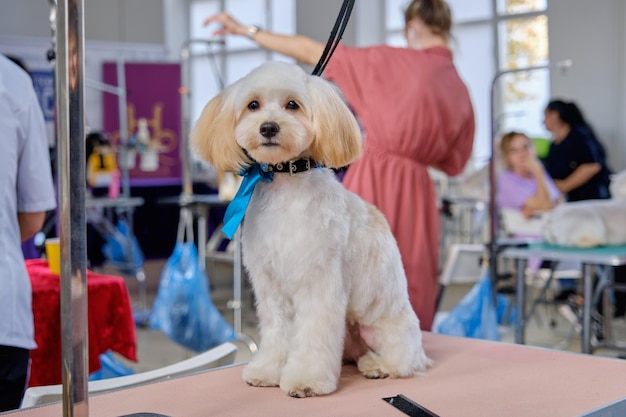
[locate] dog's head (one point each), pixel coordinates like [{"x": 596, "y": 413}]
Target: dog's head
[{"x": 277, "y": 113}]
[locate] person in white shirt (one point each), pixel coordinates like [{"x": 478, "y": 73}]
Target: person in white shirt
[{"x": 27, "y": 193}]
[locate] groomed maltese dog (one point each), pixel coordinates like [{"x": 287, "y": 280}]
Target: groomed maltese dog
[{"x": 325, "y": 268}]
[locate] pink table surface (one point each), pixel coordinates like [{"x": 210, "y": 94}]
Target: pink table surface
[{"x": 470, "y": 378}]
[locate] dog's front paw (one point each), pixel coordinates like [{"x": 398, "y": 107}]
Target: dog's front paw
[
  {"x": 259, "y": 376},
  {"x": 302, "y": 389},
  {"x": 307, "y": 385}
]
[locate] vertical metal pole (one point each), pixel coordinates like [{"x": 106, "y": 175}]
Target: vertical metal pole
[
  {"x": 520, "y": 301},
  {"x": 123, "y": 122},
  {"x": 184, "y": 107},
  {"x": 202, "y": 213},
  {"x": 71, "y": 148},
  {"x": 493, "y": 209},
  {"x": 587, "y": 302},
  {"x": 237, "y": 266}
]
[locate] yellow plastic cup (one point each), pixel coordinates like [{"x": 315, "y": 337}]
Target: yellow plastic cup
[{"x": 53, "y": 253}]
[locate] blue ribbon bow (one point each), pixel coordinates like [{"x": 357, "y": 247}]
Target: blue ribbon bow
[{"x": 237, "y": 208}]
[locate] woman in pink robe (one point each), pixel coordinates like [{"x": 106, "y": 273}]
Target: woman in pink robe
[{"x": 415, "y": 111}]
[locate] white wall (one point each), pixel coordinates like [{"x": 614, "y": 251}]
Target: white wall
[
  {"x": 133, "y": 21},
  {"x": 592, "y": 34}
]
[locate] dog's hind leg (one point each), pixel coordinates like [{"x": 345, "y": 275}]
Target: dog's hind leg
[{"x": 396, "y": 348}]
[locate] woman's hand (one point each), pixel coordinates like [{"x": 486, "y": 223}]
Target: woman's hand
[
  {"x": 230, "y": 26},
  {"x": 534, "y": 165},
  {"x": 300, "y": 48},
  {"x": 541, "y": 200}
]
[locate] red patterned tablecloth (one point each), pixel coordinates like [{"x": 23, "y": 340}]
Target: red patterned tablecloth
[{"x": 111, "y": 323}]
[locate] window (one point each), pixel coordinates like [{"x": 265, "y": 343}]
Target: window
[
  {"x": 523, "y": 95},
  {"x": 213, "y": 66},
  {"x": 511, "y": 7},
  {"x": 490, "y": 36}
]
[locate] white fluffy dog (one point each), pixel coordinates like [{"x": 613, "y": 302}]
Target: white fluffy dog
[
  {"x": 325, "y": 268},
  {"x": 590, "y": 223},
  {"x": 587, "y": 224}
]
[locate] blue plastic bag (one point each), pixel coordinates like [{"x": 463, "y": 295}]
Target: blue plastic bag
[
  {"x": 183, "y": 309},
  {"x": 120, "y": 249},
  {"x": 475, "y": 316},
  {"x": 111, "y": 368}
]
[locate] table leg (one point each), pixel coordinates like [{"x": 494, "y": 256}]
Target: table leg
[
  {"x": 520, "y": 297},
  {"x": 202, "y": 214},
  {"x": 587, "y": 300},
  {"x": 607, "y": 305},
  {"x": 236, "y": 304}
]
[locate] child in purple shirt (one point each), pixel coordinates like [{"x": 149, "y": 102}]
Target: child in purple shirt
[{"x": 525, "y": 185}]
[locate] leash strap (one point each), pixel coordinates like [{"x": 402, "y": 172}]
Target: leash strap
[{"x": 335, "y": 36}]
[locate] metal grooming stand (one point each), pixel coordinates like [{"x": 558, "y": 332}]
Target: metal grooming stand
[
  {"x": 493, "y": 245},
  {"x": 66, "y": 22},
  {"x": 201, "y": 204},
  {"x": 125, "y": 204}
]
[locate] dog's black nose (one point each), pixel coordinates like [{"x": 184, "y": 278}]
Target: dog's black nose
[{"x": 269, "y": 129}]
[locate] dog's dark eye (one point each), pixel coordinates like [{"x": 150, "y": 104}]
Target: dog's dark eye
[
  {"x": 292, "y": 105},
  {"x": 253, "y": 105}
]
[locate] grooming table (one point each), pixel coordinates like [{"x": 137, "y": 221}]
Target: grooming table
[
  {"x": 470, "y": 378},
  {"x": 589, "y": 257}
]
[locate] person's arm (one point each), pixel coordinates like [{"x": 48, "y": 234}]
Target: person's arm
[
  {"x": 541, "y": 200},
  {"x": 301, "y": 48},
  {"x": 580, "y": 176},
  {"x": 30, "y": 224}
]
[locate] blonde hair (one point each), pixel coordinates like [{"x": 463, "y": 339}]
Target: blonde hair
[
  {"x": 435, "y": 14},
  {"x": 507, "y": 138}
]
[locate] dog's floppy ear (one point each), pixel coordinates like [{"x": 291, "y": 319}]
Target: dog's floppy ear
[
  {"x": 213, "y": 135},
  {"x": 338, "y": 138}
]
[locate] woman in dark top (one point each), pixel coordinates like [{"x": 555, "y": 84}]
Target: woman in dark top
[
  {"x": 577, "y": 160},
  {"x": 577, "y": 163}
]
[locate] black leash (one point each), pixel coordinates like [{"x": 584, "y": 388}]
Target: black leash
[{"x": 335, "y": 36}]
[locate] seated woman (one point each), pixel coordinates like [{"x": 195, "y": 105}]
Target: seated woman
[{"x": 524, "y": 185}]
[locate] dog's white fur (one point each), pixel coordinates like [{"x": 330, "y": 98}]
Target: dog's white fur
[
  {"x": 618, "y": 185},
  {"x": 587, "y": 224},
  {"x": 590, "y": 223},
  {"x": 325, "y": 268}
]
